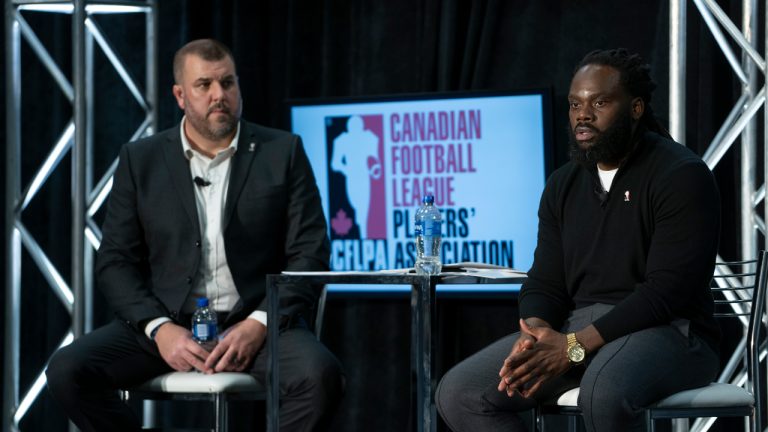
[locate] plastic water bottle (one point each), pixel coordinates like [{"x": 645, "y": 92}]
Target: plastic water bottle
[
  {"x": 428, "y": 224},
  {"x": 204, "y": 326}
]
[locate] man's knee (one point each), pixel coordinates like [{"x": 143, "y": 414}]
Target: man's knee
[
  {"x": 322, "y": 380},
  {"x": 453, "y": 400},
  {"x": 608, "y": 406},
  {"x": 63, "y": 373},
  {"x": 330, "y": 377}
]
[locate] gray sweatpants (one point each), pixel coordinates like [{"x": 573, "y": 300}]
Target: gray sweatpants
[{"x": 617, "y": 381}]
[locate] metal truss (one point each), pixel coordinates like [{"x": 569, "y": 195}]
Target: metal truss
[
  {"x": 739, "y": 46},
  {"x": 77, "y": 139}
]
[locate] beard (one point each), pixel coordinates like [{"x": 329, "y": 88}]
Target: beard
[
  {"x": 213, "y": 129},
  {"x": 609, "y": 146}
]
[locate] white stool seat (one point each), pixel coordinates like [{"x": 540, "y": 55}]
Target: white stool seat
[
  {"x": 196, "y": 382},
  {"x": 569, "y": 398},
  {"x": 715, "y": 395}
]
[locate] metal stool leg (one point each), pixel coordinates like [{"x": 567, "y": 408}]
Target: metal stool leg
[
  {"x": 537, "y": 420},
  {"x": 650, "y": 425},
  {"x": 149, "y": 413},
  {"x": 573, "y": 423},
  {"x": 680, "y": 425},
  {"x": 220, "y": 413}
]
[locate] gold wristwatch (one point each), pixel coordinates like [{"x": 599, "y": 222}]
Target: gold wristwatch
[{"x": 576, "y": 351}]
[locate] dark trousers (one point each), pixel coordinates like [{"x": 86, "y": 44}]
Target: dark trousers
[
  {"x": 617, "y": 383},
  {"x": 84, "y": 377}
]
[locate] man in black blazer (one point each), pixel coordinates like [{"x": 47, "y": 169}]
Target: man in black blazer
[{"x": 205, "y": 209}]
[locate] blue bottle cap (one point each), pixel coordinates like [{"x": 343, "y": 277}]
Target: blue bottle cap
[
  {"x": 202, "y": 302},
  {"x": 428, "y": 199}
]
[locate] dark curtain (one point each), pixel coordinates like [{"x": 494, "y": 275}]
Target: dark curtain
[{"x": 288, "y": 49}]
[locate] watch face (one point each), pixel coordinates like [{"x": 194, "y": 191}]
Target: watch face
[{"x": 576, "y": 353}]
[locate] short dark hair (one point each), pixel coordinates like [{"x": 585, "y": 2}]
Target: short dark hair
[
  {"x": 206, "y": 49},
  {"x": 634, "y": 76}
]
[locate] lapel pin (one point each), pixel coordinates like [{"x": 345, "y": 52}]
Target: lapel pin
[
  {"x": 626, "y": 196},
  {"x": 251, "y": 146}
]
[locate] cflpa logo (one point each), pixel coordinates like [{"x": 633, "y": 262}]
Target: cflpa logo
[{"x": 356, "y": 177}]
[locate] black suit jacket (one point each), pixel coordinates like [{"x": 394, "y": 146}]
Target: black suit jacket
[{"x": 273, "y": 221}]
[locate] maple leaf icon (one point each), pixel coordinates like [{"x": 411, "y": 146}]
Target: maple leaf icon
[{"x": 341, "y": 224}]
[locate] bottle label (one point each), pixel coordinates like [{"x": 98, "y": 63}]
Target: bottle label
[
  {"x": 204, "y": 331},
  {"x": 428, "y": 246},
  {"x": 429, "y": 232},
  {"x": 428, "y": 228}
]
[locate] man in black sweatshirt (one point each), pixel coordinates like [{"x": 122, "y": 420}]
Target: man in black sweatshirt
[{"x": 617, "y": 300}]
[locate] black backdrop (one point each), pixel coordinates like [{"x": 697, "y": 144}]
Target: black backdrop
[{"x": 289, "y": 49}]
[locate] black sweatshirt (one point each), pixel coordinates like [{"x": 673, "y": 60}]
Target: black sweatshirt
[{"x": 648, "y": 247}]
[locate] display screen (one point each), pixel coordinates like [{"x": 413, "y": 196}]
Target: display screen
[{"x": 484, "y": 158}]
